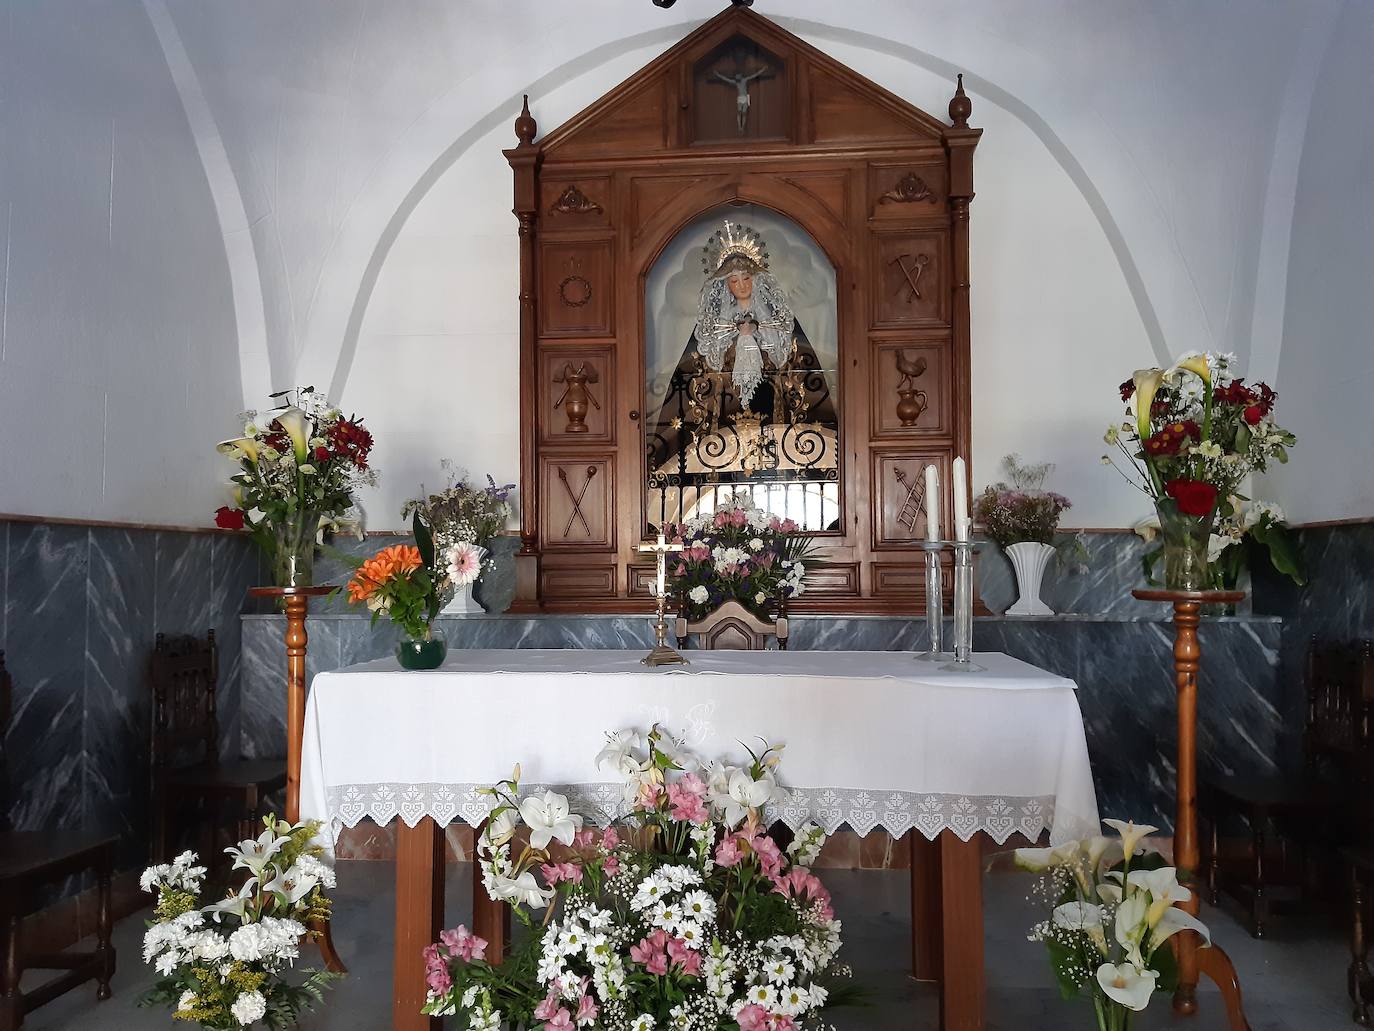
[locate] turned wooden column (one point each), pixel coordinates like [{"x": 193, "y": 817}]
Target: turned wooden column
[
  {"x": 1193, "y": 961},
  {"x": 296, "y": 601}
]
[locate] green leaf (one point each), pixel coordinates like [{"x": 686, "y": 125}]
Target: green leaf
[
  {"x": 1283, "y": 549},
  {"x": 1148, "y": 561},
  {"x": 1243, "y": 438},
  {"x": 424, "y": 540}
]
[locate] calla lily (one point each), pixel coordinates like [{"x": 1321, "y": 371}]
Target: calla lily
[
  {"x": 1164, "y": 889},
  {"x": 294, "y": 424},
  {"x": 1173, "y": 921},
  {"x": 1127, "y": 984},
  {"x": 1130, "y": 835},
  {"x": 1038, "y": 860},
  {"x": 239, "y": 447},
  {"x": 1109, "y": 893},
  {"x": 1130, "y": 924},
  {"x": 1147, "y": 383},
  {"x": 548, "y": 818},
  {"x": 1077, "y": 916},
  {"x": 1097, "y": 847},
  {"x": 1196, "y": 364}
]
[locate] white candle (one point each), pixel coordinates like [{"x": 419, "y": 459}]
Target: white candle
[
  {"x": 932, "y": 503},
  {"x": 961, "y": 520},
  {"x": 662, "y": 564}
]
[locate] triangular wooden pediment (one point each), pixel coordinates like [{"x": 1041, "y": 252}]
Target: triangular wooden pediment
[{"x": 802, "y": 97}]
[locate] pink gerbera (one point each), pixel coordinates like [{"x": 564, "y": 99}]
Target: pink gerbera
[{"x": 464, "y": 563}]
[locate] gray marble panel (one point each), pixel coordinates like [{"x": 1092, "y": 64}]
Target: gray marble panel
[
  {"x": 184, "y": 575},
  {"x": 45, "y": 612},
  {"x": 4, "y": 588},
  {"x": 263, "y": 716},
  {"x": 120, "y": 594},
  {"x": 496, "y": 589},
  {"x": 234, "y": 569}
]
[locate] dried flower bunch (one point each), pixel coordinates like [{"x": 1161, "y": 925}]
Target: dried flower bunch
[{"x": 1021, "y": 510}]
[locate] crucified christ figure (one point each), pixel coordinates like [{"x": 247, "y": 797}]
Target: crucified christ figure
[{"x": 741, "y": 83}]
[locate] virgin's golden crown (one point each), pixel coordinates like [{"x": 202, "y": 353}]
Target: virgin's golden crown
[{"x": 734, "y": 244}]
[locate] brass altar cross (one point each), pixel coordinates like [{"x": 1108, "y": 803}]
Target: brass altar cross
[{"x": 662, "y": 654}]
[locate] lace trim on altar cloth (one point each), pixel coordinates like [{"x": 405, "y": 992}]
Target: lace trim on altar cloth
[{"x": 863, "y": 811}]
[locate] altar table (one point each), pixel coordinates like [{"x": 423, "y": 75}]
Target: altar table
[{"x": 874, "y": 739}]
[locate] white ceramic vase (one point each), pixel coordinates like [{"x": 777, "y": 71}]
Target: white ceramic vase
[
  {"x": 462, "y": 603},
  {"x": 1029, "y": 559}
]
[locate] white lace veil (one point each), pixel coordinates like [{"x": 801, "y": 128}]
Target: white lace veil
[{"x": 719, "y": 317}]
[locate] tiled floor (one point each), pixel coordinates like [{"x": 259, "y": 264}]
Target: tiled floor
[{"x": 1293, "y": 982}]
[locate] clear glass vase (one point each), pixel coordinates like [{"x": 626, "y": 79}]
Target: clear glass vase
[
  {"x": 293, "y": 549},
  {"x": 1183, "y": 564}
]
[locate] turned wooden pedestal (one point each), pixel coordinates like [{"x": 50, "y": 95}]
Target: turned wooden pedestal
[
  {"x": 1192, "y": 960},
  {"x": 296, "y": 601}
]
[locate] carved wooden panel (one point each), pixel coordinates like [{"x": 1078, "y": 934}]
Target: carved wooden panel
[
  {"x": 831, "y": 189},
  {"x": 578, "y": 502},
  {"x": 740, "y": 91},
  {"x": 910, "y": 388},
  {"x": 580, "y": 581},
  {"x": 580, "y": 203},
  {"x": 905, "y": 191},
  {"x": 576, "y": 288},
  {"x": 637, "y": 121},
  {"x": 841, "y": 113},
  {"x": 650, "y": 193},
  {"x": 577, "y": 394},
  {"x": 641, "y": 580},
  {"x": 898, "y": 493},
  {"x": 910, "y": 279},
  {"x": 908, "y": 579},
  {"x": 831, "y": 579}
]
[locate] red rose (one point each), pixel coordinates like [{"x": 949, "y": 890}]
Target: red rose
[
  {"x": 1194, "y": 497},
  {"x": 227, "y": 518},
  {"x": 1254, "y": 414},
  {"x": 322, "y": 454}
]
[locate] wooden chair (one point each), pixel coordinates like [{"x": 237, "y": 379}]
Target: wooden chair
[
  {"x": 29, "y": 861},
  {"x": 731, "y": 626},
  {"x": 1317, "y": 804},
  {"x": 187, "y": 771}
]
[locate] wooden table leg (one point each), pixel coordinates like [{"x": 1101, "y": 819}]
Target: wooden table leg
[
  {"x": 961, "y": 904},
  {"x": 926, "y": 925},
  {"x": 419, "y": 918}
]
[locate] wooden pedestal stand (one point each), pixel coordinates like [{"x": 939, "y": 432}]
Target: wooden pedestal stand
[
  {"x": 1193, "y": 961},
  {"x": 296, "y": 601}
]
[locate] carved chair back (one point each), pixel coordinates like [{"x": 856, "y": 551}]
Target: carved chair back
[
  {"x": 184, "y": 675},
  {"x": 1339, "y": 737},
  {"x": 731, "y": 626}
]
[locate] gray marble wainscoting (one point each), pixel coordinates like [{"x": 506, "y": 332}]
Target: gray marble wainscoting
[
  {"x": 1123, "y": 668},
  {"x": 1337, "y": 604},
  {"x": 81, "y": 607}
]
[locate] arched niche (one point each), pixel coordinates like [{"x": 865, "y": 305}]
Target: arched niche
[{"x": 878, "y": 192}]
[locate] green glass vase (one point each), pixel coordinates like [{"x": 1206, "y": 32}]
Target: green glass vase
[
  {"x": 422, "y": 653},
  {"x": 293, "y": 548}
]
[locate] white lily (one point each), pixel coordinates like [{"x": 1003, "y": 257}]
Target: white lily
[
  {"x": 1130, "y": 835},
  {"x": 1174, "y": 920},
  {"x": 549, "y": 818},
  {"x": 292, "y": 884},
  {"x": 1127, "y": 984},
  {"x": 254, "y": 854},
  {"x": 620, "y": 753},
  {"x": 743, "y": 793},
  {"x": 523, "y": 890},
  {"x": 499, "y": 829}
]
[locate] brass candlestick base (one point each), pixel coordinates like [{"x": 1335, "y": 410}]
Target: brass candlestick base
[{"x": 662, "y": 655}]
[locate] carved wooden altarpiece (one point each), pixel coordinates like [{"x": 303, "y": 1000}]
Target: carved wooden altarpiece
[{"x": 740, "y": 113}]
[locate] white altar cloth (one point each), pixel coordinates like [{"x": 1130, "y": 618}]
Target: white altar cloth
[{"x": 874, "y": 739}]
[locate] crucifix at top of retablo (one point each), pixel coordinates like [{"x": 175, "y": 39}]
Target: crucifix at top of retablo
[
  {"x": 662, "y": 654},
  {"x": 741, "y": 80}
]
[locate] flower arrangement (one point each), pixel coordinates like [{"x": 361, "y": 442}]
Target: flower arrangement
[
  {"x": 224, "y": 965},
  {"x": 1022, "y": 510},
  {"x": 462, "y": 513},
  {"x": 1196, "y": 431},
  {"x": 738, "y": 552},
  {"x": 298, "y": 467},
  {"x": 688, "y": 917},
  {"x": 1112, "y": 912}
]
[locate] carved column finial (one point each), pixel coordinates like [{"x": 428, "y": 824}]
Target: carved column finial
[
  {"x": 525, "y": 125},
  {"x": 960, "y": 106}
]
